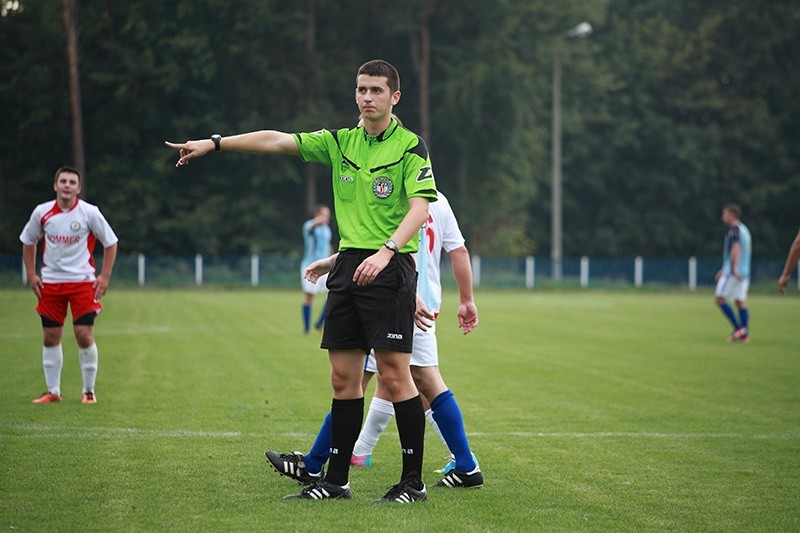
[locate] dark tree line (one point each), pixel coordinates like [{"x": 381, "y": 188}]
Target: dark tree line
[{"x": 670, "y": 109}]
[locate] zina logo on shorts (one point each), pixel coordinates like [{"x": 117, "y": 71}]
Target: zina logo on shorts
[{"x": 398, "y": 336}]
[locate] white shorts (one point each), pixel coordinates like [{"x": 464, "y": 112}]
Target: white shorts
[
  {"x": 424, "y": 353},
  {"x": 314, "y": 288},
  {"x": 731, "y": 288}
]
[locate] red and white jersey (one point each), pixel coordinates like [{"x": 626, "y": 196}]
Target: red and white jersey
[
  {"x": 69, "y": 239},
  {"x": 440, "y": 232}
]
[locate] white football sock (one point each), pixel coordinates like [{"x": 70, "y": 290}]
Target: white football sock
[
  {"x": 435, "y": 426},
  {"x": 378, "y": 417},
  {"x": 88, "y": 358},
  {"x": 52, "y": 360}
]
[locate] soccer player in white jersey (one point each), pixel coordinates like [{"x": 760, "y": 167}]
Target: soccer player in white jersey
[
  {"x": 733, "y": 279},
  {"x": 441, "y": 232},
  {"x": 68, "y": 228}
]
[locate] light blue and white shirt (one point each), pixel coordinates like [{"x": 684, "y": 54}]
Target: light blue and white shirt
[
  {"x": 316, "y": 242},
  {"x": 737, "y": 233}
]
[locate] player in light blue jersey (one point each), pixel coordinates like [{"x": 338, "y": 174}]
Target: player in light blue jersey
[
  {"x": 733, "y": 279},
  {"x": 317, "y": 245}
]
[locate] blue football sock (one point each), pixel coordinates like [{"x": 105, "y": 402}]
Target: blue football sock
[
  {"x": 448, "y": 417},
  {"x": 744, "y": 318},
  {"x": 728, "y": 312},
  {"x": 321, "y": 319},
  {"x": 306, "y": 317},
  {"x": 321, "y": 449}
]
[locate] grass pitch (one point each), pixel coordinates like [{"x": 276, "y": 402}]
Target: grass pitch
[{"x": 621, "y": 411}]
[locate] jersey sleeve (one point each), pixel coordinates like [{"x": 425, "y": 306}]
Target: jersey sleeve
[
  {"x": 418, "y": 172},
  {"x": 101, "y": 228},
  {"x": 733, "y": 235},
  {"x": 315, "y": 147},
  {"x": 33, "y": 231},
  {"x": 452, "y": 237}
]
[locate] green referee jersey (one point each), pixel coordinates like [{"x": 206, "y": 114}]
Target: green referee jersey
[{"x": 373, "y": 177}]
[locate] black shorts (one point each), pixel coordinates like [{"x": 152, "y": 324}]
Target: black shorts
[{"x": 378, "y": 315}]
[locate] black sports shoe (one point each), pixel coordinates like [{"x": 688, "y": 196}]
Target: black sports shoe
[
  {"x": 322, "y": 490},
  {"x": 404, "y": 492},
  {"x": 456, "y": 478},
  {"x": 292, "y": 465}
]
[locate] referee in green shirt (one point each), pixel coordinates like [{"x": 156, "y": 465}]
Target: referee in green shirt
[{"x": 382, "y": 182}]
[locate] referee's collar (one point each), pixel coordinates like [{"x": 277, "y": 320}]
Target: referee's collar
[{"x": 382, "y": 136}]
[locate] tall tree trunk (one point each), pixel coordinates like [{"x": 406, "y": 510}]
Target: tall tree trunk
[
  {"x": 463, "y": 175},
  {"x": 421, "y": 59},
  {"x": 2, "y": 190},
  {"x": 71, "y": 31},
  {"x": 310, "y": 170}
]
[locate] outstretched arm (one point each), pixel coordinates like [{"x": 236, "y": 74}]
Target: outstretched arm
[
  {"x": 462, "y": 270},
  {"x": 260, "y": 142},
  {"x": 791, "y": 261}
]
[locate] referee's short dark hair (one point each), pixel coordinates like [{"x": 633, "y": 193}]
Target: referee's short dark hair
[
  {"x": 69, "y": 169},
  {"x": 379, "y": 67}
]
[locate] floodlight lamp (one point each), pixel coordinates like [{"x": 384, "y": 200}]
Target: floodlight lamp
[{"x": 581, "y": 30}]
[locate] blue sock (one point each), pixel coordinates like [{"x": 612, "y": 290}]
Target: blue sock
[
  {"x": 321, "y": 449},
  {"x": 728, "y": 312},
  {"x": 306, "y": 317},
  {"x": 744, "y": 318},
  {"x": 448, "y": 417},
  {"x": 321, "y": 318}
]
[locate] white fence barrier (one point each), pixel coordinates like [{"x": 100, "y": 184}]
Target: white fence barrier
[{"x": 527, "y": 272}]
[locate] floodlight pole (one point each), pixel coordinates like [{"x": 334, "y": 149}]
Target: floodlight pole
[{"x": 557, "y": 240}]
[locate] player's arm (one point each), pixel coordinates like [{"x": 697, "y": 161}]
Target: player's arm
[
  {"x": 319, "y": 268},
  {"x": 462, "y": 271},
  {"x": 791, "y": 261},
  {"x": 423, "y": 318},
  {"x": 29, "y": 259},
  {"x": 736, "y": 252},
  {"x": 417, "y": 214},
  {"x": 101, "y": 283},
  {"x": 259, "y": 142}
]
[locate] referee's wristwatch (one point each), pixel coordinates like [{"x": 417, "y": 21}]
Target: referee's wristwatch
[
  {"x": 217, "y": 138},
  {"x": 390, "y": 244}
]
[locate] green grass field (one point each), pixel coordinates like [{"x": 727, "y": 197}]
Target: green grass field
[{"x": 600, "y": 411}]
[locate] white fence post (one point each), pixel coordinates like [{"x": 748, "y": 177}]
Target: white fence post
[
  {"x": 476, "y": 271},
  {"x": 584, "y": 271},
  {"x": 198, "y": 269},
  {"x": 140, "y": 264},
  {"x": 530, "y": 272},
  {"x": 692, "y": 273},
  {"x": 638, "y": 271},
  {"x": 254, "y": 265}
]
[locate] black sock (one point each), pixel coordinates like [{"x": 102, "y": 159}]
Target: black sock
[
  {"x": 410, "y": 417},
  {"x": 346, "y": 416}
]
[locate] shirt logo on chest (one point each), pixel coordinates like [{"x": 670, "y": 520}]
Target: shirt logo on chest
[
  {"x": 75, "y": 226},
  {"x": 382, "y": 187}
]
